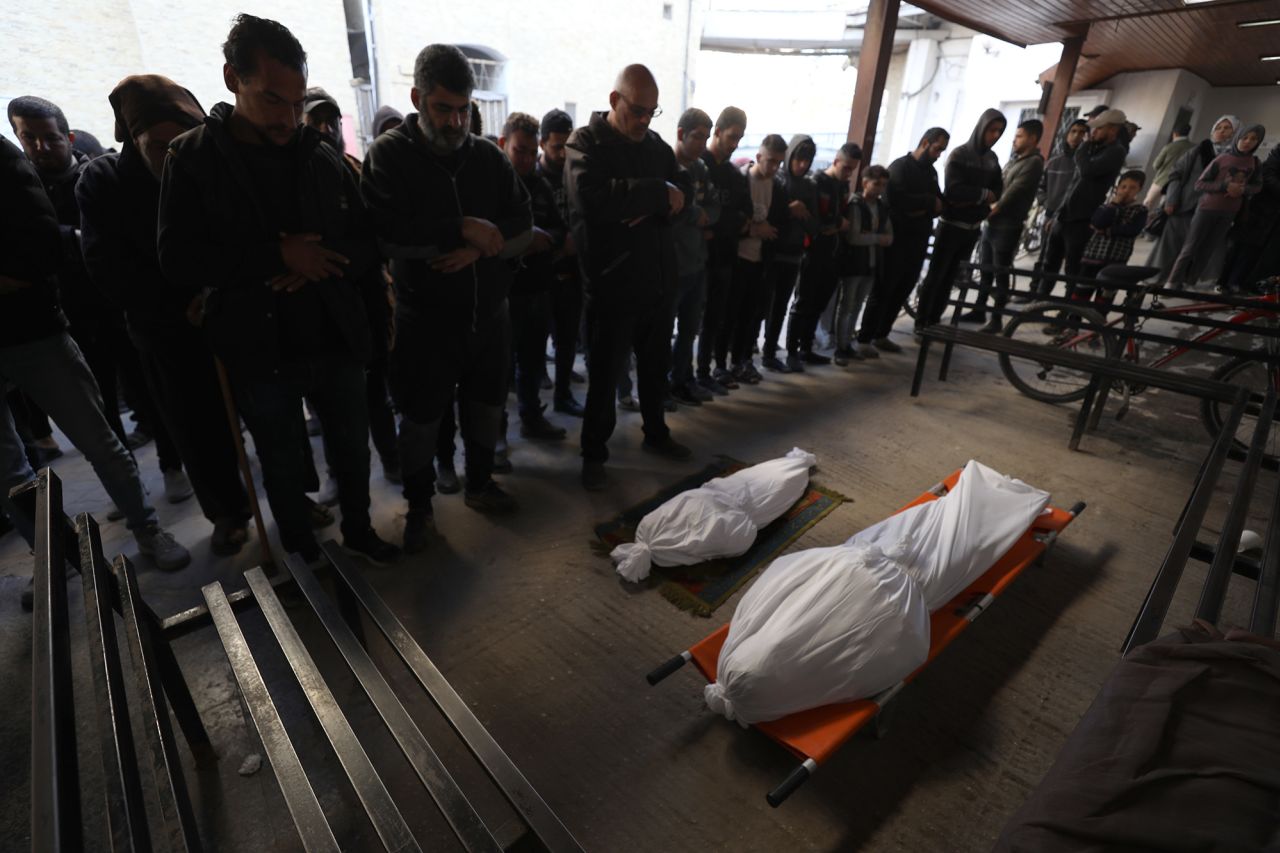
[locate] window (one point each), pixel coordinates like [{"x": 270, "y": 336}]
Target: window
[{"x": 571, "y": 107}]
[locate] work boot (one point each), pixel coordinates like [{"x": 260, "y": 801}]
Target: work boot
[
  {"x": 158, "y": 544},
  {"x": 229, "y": 536},
  {"x": 594, "y": 477},
  {"x": 419, "y": 524},
  {"x": 669, "y": 404},
  {"x": 447, "y": 482},
  {"x": 371, "y": 547},
  {"x": 490, "y": 498},
  {"x": 668, "y": 447},
  {"x": 177, "y": 488},
  {"x": 690, "y": 394},
  {"x": 568, "y": 406},
  {"x": 886, "y": 345},
  {"x": 539, "y": 428}
]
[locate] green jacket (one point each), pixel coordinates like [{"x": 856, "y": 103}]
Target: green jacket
[{"x": 1164, "y": 161}]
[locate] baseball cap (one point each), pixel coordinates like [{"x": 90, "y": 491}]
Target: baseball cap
[
  {"x": 316, "y": 96},
  {"x": 1108, "y": 117}
]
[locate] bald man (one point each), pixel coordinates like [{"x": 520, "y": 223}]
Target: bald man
[{"x": 621, "y": 180}]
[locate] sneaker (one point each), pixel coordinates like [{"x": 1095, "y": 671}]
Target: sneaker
[
  {"x": 391, "y": 473},
  {"x": 569, "y": 406},
  {"x": 777, "y": 365},
  {"x": 594, "y": 477},
  {"x": 691, "y": 394},
  {"x": 866, "y": 351},
  {"x": 229, "y": 536},
  {"x": 490, "y": 498},
  {"x": 811, "y": 357},
  {"x": 747, "y": 373},
  {"x": 709, "y": 384},
  {"x": 158, "y": 544},
  {"x": 502, "y": 462},
  {"x": 840, "y": 356},
  {"x": 628, "y": 404},
  {"x": 795, "y": 364},
  {"x": 447, "y": 482},
  {"x": 886, "y": 345},
  {"x": 538, "y": 428},
  {"x": 177, "y": 488},
  {"x": 137, "y": 439},
  {"x": 725, "y": 378},
  {"x": 320, "y": 514},
  {"x": 372, "y": 547},
  {"x": 328, "y": 494},
  {"x": 668, "y": 447},
  {"x": 419, "y": 524}
]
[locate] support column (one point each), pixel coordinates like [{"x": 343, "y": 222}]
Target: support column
[
  {"x": 873, "y": 70},
  {"x": 1062, "y": 79}
]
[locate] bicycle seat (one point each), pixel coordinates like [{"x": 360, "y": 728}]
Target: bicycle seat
[{"x": 1127, "y": 274}]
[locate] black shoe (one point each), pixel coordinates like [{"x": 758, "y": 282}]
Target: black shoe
[
  {"x": 777, "y": 365},
  {"x": 490, "y": 498},
  {"x": 447, "y": 482},
  {"x": 690, "y": 394},
  {"x": 841, "y": 357},
  {"x": 747, "y": 373},
  {"x": 811, "y": 357},
  {"x": 229, "y": 536},
  {"x": 137, "y": 439},
  {"x": 594, "y": 477},
  {"x": 628, "y": 404},
  {"x": 372, "y": 547},
  {"x": 540, "y": 429},
  {"x": 668, "y": 447},
  {"x": 546, "y": 384},
  {"x": 795, "y": 364},
  {"x": 419, "y": 524},
  {"x": 321, "y": 515},
  {"x": 710, "y": 384},
  {"x": 669, "y": 404},
  {"x": 569, "y": 406},
  {"x": 886, "y": 345},
  {"x": 502, "y": 462},
  {"x": 725, "y": 378},
  {"x": 973, "y": 317}
]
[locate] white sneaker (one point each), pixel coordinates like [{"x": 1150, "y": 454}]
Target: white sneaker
[
  {"x": 162, "y": 548},
  {"x": 177, "y": 488}
]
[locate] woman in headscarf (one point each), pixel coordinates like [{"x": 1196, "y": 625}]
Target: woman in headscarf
[{"x": 1181, "y": 196}]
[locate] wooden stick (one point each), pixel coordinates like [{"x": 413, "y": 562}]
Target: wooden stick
[{"x": 233, "y": 421}]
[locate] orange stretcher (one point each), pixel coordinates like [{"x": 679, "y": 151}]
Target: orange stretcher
[{"x": 814, "y": 735}]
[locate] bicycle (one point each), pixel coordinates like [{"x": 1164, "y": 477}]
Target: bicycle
[{"x": 1081, "y": 327}]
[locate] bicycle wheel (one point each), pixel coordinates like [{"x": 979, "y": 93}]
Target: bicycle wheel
[
  {"x": 1257, "y": 377},
  {"x": 1050, "y": 324}
]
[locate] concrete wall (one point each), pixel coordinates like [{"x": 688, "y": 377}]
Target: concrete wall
[
  {"x": 1253, "y": 104},
  {"x": 74, "y": 53}
]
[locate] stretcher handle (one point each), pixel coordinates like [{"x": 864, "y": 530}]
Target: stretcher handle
[
  {"x": 1077, "y": 509},
  {"x": 798, "y": 777},
  {"x": 667, "y": 668}
]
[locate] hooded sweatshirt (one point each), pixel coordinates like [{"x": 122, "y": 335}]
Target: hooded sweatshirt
[
  {"x": 385, "y": 114},
  {"x": 1231, "y": 167},
  {"x": 972, "y": 170},
  {"x": 789, "y": 247},
  {"x": 30, "y": 249},
  {"x": 1097, "y": 165},
  {"x": 1056, "y": 179},
  {"x": 1181, "y": 190}
]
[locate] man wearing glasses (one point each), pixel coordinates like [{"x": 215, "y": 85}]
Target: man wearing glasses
[
  {"x": 450, "y": 215},
  {"x": 621, "y": 179}
]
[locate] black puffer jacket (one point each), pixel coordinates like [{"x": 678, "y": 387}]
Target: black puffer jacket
[
  {"x": 620, "y": 214},
  {"x": 30, "y": 251},
  {"x": 972, "y": 170},
  {"x": 913, "y": 195},
  {"x": 1097, "y": 166},
  {"x": 213, "y": 235},
  {"x": 791, "y": 241},
  {"x": 417, "y": 200}
]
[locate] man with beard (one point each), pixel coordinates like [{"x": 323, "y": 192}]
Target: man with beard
[
  {"x": 566, "y": 288},
  {"x": 914, "y": 200},
  {"x": 450, "y": 213},
  {"x": 321, "y": 112},
  {"x": 256, "y": 209},
  {"x": 119, "y": 195},
  {"x": 622, "y": 192},
  {"x": 1098, "y": 162}
]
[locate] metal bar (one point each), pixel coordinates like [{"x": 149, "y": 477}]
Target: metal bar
[
  {"x": 176, "y": 817},
  {"x": 515, "y": 787},
  {"x": 873, "y": 71},
  {"x": 304, "y": 808},
  {"x": 126, "y": 814},
  {"x": 55, "y": 776},
  {"x": 192, "y": 619},
  {"x": 1219, "y": 577},
  {"x": 920, "y": 362},
  {"x": 668, "y": 667},
  {"x": 1245, "y": 567},
  {"x": 1082, "y": 419},
  {"x": 1266, "y": 596},
  {"x": 378, "y": 805},
  {"x": 435, "y": 777},
  {"x": 1160, "y": 595},
  {"x": 797, "y": 777},
  {"x": 1103, "y": 393}
]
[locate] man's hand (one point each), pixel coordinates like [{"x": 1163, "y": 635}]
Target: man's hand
[
  {"x": 675, "y": 198},
  {"x": 288, "y": 282},
  {"x": 884, "y": 240},
  {"x": 541, "y": 242},
  {"x": 1235, "y": 189},
  {"x": 763, "y": 230},
  {"x": 12, "y": 285},
  {"x": 798, "y": 210},
  {"x": 1169, "y": 210},
  {"x": 303, "y": 255},
  {"x": 482, "y": 235},
  {"x": 458, "y": 259},
  {"x": 195, "y": 310},
  {"x": 995, "y": 207},
  {"x": 937, "y": 205},
  {"x": 990, "y": 197},
  {"x": 569, "y": 249},
  {"x": 703, "y": 220}
]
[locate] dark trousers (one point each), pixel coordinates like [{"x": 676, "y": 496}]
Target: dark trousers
[
  {"x": 530, "y": 317},
  {"x": 271, "y": 404},
  {"x": 434, "y": 358},
  {"x": 691, "y": 296},
  {"x": 817, "y": 284},
  {"x": 566, "y": 317},
  {"x": 1065, "y": 249},
  {"x": 613, "y": 332},
  {"x": 902, "y": 264},
  {"x": 999, "y": 246},
  {"x": 780, "y": 283},
  {"x": 1052, "y": 252},
  {"x": 715, "y": 317},
  {"x": 382, "y": 420},
  {"x": 183, "y": 379},
  {"x": 744, "y": 309},
  {"x": 952, "y": 247}
]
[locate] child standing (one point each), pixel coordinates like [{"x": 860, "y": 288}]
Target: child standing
[
  {"x": 1224, "y": 184},
  {"x": 1115, "y": 226},
  {"x": 862, "y": 262}
]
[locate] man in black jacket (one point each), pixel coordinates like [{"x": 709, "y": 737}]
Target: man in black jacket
[
  {"x": 622, "y": 193},
  {"x": 973, "y": 183},
  {"x": 451, "y": 214},
  {"x": 801, "y": 225},
  {"x": 748, "y": 298},
  {"x": 1054, "y": 183},
  {"x": 261, "y": 214},
  {"x": 119, "y": 196},
  {"x": 1097, "y": 164},
  {"x": 38, "y": 356},
  {"x": 735, "y": 212},
  {"x": 914, "y": 200}
]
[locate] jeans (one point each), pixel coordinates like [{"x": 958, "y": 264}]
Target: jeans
[
  {"x": 813, "y": 292},
  {"x": 566, "y": 317},
  {"x": 614, "y": 331},
  {"x": 999, "y": 246},
  {"x": 712, "y": 344},
  {"x": 902, "y": 264},
  {"x": 779, "y": 284},
  {"x": 530, "y": 318},
  {"x": 951, "y": 248},
  {"x": 691, "y": 296},
  {"x": 1052, "y": 252},
  {"x": 52, "y": 372},
  {"x": 851, "y": 293},
  {"x": 271, "y": 404}
]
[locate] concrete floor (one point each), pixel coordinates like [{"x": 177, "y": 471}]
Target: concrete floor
[{"x": 549, "y": 648}]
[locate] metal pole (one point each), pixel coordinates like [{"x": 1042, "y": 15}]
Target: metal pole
[{"x": 233, "y": 421}]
